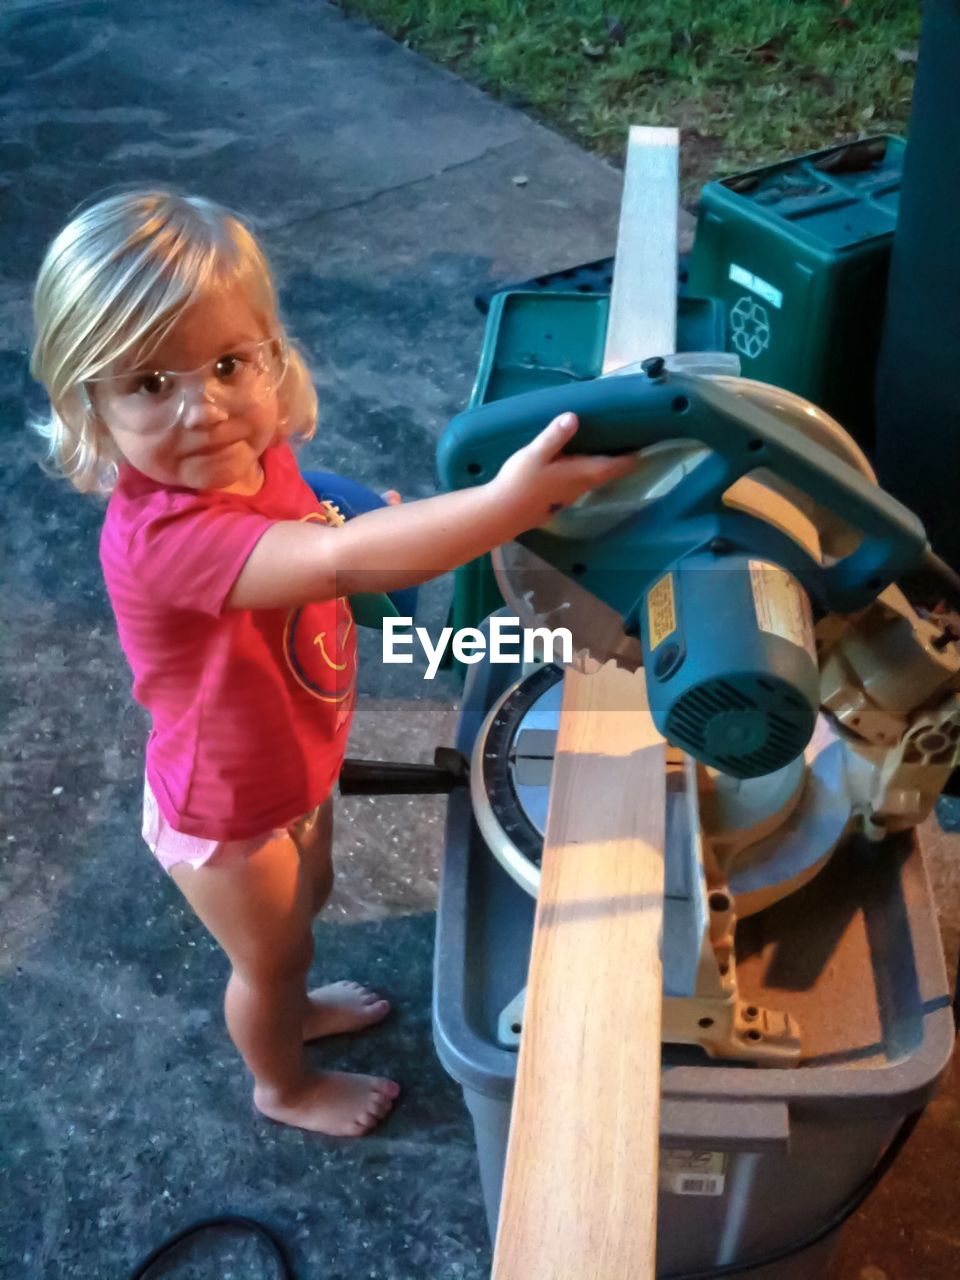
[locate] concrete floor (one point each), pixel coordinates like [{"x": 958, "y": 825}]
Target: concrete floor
[{"x": 385, "y": 192}]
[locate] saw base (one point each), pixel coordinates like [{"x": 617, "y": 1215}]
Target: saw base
[
  {"x": 715, "y": 874},
  {"x": 854, "y": 959}
]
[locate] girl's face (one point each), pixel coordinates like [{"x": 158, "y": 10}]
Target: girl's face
[{"x": 228, "y": 418}]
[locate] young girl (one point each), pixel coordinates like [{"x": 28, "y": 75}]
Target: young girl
[{"x": 175, "y": 389}]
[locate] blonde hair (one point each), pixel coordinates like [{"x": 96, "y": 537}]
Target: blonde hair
[{"x": 113, "y": 283}]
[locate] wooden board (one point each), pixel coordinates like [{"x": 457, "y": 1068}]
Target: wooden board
[
  {"x": 580, "y": 1187},
  {"x": 580, "y": 1190},
  {"x": 643, "y": 301}
]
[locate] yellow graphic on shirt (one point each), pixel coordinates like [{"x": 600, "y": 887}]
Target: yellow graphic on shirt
[
  {"x": 320, "y": 639},
  {"x": 326, "y": 665}
]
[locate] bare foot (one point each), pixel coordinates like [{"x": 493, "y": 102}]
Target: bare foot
[
  {"x": 340, "y": 1007},
  {"x": 332, "y": 1102}
]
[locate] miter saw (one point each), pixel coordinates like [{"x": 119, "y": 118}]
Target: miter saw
[{"x": 748, "y": 569}]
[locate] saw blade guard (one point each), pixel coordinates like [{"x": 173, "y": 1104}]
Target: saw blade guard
[
  {"x": 540, "y": 597},
  {"x": 662, "y": 466},
  {"x": 741, "y": 436}
]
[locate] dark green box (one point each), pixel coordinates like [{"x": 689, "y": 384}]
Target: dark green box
[{"x": 799, "y": 253}]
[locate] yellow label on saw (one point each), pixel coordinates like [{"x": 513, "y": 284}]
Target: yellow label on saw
[{"x": 661, "y": 611}]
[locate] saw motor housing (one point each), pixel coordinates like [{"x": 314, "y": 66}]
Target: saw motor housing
[{"x": 730, "y": 661}]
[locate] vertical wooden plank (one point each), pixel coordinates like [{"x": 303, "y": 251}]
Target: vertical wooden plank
[
  {"x": 580, "y": 1191},
  {"x": 643, "y": 302},
  {"x": 580, "y": 1186}
]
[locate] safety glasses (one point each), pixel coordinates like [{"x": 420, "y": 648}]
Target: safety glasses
[{"x": 148, "y": 400}]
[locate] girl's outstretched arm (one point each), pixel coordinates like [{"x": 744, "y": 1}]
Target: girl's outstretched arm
[{"x": 399, "y": 546}]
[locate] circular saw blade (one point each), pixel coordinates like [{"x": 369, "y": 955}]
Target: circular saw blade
[{"x": 542, "y": 596}]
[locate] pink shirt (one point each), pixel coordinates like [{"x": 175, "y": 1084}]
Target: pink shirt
[{"x": 251, "y": 707}]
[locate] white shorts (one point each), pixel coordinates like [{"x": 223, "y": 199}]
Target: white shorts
[{"x": 172, "y": 847}]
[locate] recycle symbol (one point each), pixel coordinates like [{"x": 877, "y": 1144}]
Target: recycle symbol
[{"x": 750, "y": 326}]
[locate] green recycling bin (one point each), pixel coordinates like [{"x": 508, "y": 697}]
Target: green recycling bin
[{"x": 799, "y": 252}]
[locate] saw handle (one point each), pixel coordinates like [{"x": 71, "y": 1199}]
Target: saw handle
[{"x": 634, "y": 411}]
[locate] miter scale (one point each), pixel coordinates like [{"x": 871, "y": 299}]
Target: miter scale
[{"x": 803, "y": 697}]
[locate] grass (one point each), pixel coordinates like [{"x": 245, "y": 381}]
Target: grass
[{"x": 747, "y": 80}]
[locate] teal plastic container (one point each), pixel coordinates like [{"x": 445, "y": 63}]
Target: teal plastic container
[
  {"x": 540, "y": 339},
  {"x": 799, "y": 254},
  {"x": 537, "y": 339}
]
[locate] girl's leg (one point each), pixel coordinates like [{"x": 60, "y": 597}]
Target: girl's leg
[
  {"x": 316, "y": 851},
  {"x": 340, "y": 1006},
  {"x": 259, "y": 909}
]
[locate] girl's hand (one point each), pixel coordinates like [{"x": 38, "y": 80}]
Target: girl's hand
[{"x": 539, "y": 480}]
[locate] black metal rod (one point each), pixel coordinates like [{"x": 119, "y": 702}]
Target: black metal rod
[{"x": 392, "y": 778}]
